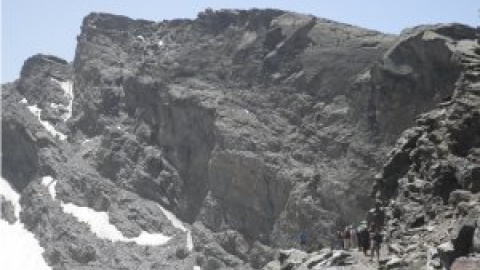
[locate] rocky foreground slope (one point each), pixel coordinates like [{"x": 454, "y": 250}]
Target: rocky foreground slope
[{"x": 249, "y": 126}]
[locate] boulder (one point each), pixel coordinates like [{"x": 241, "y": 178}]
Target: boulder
[
  {"x": 446, "y": 253},
  {"x": 7, "y": 211},
  {"x": 458, "y": 196}
]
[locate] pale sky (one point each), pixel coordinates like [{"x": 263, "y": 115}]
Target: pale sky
[{"x": 51, "y": 26}]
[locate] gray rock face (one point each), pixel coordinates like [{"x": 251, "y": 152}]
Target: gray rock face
[
  {"x": 7, "y": 212},
  {"x": 428, "y": 176},
  {"x": 253, "y": 126}
]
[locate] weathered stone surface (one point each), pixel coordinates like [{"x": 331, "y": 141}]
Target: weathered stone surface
[
  {"x": 250, "y": 125},
  {"x": 7, "y": 211},
  {"x": 428, "y": 175}
]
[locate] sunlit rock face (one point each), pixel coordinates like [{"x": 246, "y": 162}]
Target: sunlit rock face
[
  {"x": 219, "y": 139},
  {"x": 431, "y": 179}
]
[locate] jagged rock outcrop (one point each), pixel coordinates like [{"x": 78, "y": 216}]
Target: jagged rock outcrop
[
  {"x": 431, "y": 177},
  {"x": 249, "y": 126}
]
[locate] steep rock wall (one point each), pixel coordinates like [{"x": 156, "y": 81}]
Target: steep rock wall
[{"x": 250, "y": 125}]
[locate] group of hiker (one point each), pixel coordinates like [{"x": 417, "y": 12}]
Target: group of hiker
[
  {"x": 362, "y": 237},
  {"x": 367, "y": 236}
]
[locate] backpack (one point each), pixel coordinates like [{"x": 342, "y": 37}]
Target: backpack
[
  {"x": 378, "y": 238},
  {"x": 303, "y": 238}
]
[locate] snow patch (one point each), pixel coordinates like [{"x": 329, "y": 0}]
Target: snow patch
[
  {"x": 141, "y": 38},
  {"x": 19, "y": 249},
  {"x": 160, "y": 43},
  {"x": 101, "y": 226},
  {"x": 10, "y": 195},
  {"x": 67, "y": 87},
  {"x": 23, "y": 101},
  {"x": 50, "y": 183},
  {"x": 150, "y": 239},
  {"x": 49, "y": 127},
  {"x": 196, "y": 267},
  {"x": 86, "y": 141},
  {"x": 179, "y": 225},
  {"x": 99, "y": 221}
]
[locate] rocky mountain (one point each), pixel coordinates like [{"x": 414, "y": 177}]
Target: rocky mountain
[
  {"x": 212, "y": 143},
  {"x": 429, "y": 184},
  {"x": 432, "y": 178}
]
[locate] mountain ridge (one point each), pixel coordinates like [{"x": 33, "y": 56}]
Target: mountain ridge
[{"x": 248, "y": 125}]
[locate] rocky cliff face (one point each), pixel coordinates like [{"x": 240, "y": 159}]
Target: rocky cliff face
[
  {"x": 431, "y": 178},
  {"x": 429, "y": 183},
  {"x": 250, "y": 126}
]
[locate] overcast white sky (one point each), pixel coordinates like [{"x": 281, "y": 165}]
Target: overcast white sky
[{"x": 51, "y": 26}]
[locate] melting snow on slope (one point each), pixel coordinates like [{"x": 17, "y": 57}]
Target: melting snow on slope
[
  {"x": 49, "y": 127},
  {"x": 101, "y": 226},
  {"x": 19, "y": 249},
  {"x": 67, "y": 87},
  {"x": 10, "y": 195},
  {"x": 179, "y": 225},
  {"x": 50, "y": 184},
  {"x": 99, "y": 222}
]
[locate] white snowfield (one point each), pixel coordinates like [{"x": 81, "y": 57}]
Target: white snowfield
[
  {"x": 179, "y": 225},
  {"x": 49, "y": 127},
  {"x": 101, "y": 226},
  {"x": 10, "y": 195},
  {"x": 19, "y": 249},
  {"x": 67, "y": 87},
  {"x": 50, "y": 183},
  {"x": 99, "y": 222}
]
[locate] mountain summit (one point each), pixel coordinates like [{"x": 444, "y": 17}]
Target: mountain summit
[{"x": 214, "y": 143}]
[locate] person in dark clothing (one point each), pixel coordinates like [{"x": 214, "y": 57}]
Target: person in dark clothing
[
  {"x": 359, "y": 241},
  {"x": 377, "y": 240},
  {"x": 303, "y": 240},
  {"x": 364, "y": 240},
  {"x": 346, "y": 238}
]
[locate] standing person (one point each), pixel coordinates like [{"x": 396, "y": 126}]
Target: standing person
[
  {"x": 377, "y": 240},
  {"x": 365, "y": 240},
  {"x": 303, "y": 240},
  {"x": 371, "y": 232},
  {"x": 353, "y": 237},
  {"x": 340, "y": 239},
  {"x": 346, "y": 238},
  {"x": 359, "y": 239}
]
